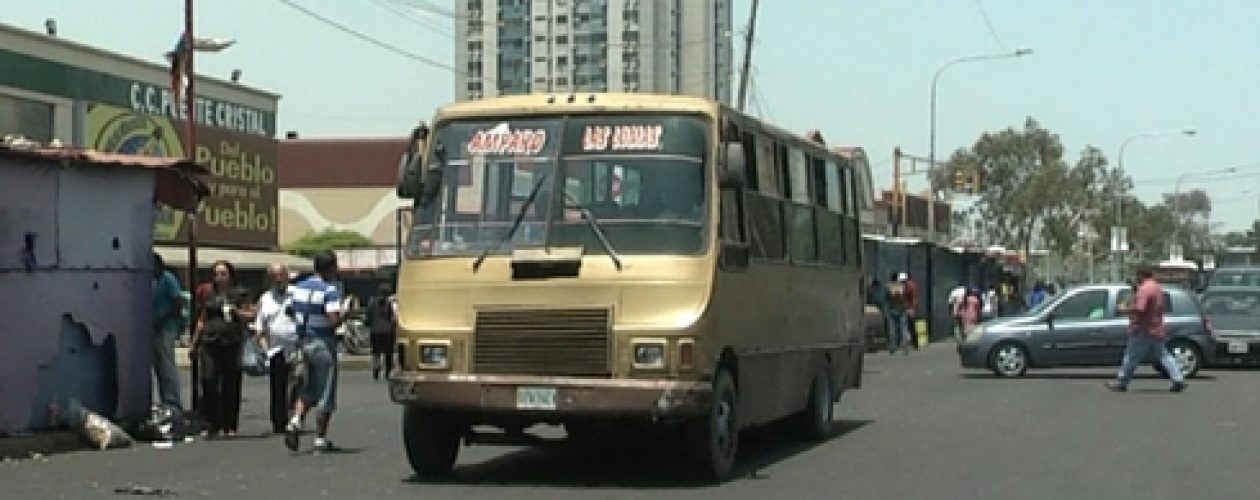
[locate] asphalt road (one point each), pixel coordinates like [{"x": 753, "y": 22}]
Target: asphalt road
[{"x": 919, "y": 428}]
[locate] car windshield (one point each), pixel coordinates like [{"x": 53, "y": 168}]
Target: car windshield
[
  {"x": 641, "y": 178},
  {"x": 1233, "y": 309}
]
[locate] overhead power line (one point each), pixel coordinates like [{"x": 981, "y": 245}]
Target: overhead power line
[
  {"x": 989, "y": 23},
  {"x": 352, "y": 32},
  {"x": 394, "y": 6}
]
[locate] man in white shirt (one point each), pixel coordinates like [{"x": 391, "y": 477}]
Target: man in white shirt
[{"x": 276, "y": 324}]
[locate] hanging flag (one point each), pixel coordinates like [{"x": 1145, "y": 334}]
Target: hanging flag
[{"x": 179, "y": 66}]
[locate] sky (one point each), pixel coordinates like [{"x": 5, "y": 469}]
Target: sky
[{"x": 1102, "y": 71}]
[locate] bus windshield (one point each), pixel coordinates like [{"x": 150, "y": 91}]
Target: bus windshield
[{"x": 641, "y": 177}]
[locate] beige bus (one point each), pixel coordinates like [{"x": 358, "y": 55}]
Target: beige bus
[{"x": 606, "y": 261}]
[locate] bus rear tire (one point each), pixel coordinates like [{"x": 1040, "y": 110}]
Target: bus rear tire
[
  {"x": 814, "y": 422},
  {"x": 431, "y": 440},
  {"x": 713, "y": 440}
]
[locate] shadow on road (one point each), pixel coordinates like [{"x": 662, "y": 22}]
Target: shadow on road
[
  {"x": 1069, "y": 375},
  {"x": 647, "y": 463}
]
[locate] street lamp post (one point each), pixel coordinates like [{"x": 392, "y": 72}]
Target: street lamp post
[
  {"x": 931, "y": 214},
  {"x": 1117, "y": 256}
]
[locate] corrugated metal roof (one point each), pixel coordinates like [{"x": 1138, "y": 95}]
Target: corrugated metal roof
[{"x": 101, "y": 158}]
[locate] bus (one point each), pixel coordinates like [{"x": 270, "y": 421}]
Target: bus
[{"x": 606, "y": 262}]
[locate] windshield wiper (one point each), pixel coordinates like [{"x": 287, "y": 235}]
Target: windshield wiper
[
  {"x": 516, "y": 224},
  {"x": 595, "y": 228}
]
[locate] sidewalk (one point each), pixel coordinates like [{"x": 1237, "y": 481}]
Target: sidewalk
[{"x": 345, "y": 361}]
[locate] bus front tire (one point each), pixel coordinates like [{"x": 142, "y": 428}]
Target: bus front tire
[
  {"x": 713, "y": 440},
  {"x": 431, "y": 440}
]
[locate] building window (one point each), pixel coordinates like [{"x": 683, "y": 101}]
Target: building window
[
  {"x": 562, "y": 39},
  {"x": 30, "y": 119},
  {"x": 562, "y": 19}
]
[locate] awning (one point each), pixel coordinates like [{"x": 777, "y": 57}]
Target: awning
[{"x": 240, "y": 259}]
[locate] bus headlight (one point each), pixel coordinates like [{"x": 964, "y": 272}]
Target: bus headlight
[
  {"x": 649, "y": 354},
  {"x": 435, "y": 355}
]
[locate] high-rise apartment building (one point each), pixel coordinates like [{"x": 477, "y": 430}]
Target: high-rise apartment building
[{"x": 507, "y": 47}]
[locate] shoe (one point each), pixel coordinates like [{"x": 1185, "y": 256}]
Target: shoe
[
  {"x": 1117, "y": 386},
  {"x": 324, "y": 445},
  {"x": 291, "y": 436},
  {"x": 1177, "y": 387}
]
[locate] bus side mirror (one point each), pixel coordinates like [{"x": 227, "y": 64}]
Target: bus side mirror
[
  {"x": 408, "y": 176},
  {"x": 732, "y": 172},
  {"x": 411, "y": 162},
  {"x": 733, "y": 256},
  {"x": 431, "y": 185}
]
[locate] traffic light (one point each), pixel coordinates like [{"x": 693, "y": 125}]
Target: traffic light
[
  {"x": 960, "y": 180},
  {"x": 975, "y": 181}
]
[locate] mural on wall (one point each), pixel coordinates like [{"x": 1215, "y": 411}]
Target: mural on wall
[{"x": 241, "y": 209}]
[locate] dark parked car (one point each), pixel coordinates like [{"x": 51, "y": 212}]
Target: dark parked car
[
  {"x": 1235, "y": 315},
  {"x": 1080, "y": 327}
]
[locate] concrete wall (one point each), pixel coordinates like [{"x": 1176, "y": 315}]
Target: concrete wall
[{"x": 77, "y": 320}]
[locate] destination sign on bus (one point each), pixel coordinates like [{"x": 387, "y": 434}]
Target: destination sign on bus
[
  {"x": 622, "y": 138},
  {"x": 503, "y": 141}
]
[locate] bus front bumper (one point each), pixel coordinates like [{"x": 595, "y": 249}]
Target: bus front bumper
[{"x": 552, "y": 395}]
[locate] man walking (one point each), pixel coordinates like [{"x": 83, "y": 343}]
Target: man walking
[
  {"x": 168, "y": 305},
  {"x": 276, "y": 323},
  {"x": 380, "y": 321},
  {"x": 898, "y": 308},
  {"x": 1147, "y": 333},
  {"x": 317, "y": 306}
]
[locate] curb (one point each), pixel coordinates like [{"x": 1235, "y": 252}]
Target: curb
[
  {"x": 344, "y": 361},
  {"x": 40, "y": 443}
]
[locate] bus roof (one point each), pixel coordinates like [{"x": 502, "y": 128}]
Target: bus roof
[{"x": 581, "y": 103}]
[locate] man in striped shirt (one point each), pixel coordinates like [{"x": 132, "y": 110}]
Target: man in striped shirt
[{"x": 317, "y": 307}]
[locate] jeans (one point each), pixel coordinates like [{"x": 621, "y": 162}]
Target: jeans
[
  {"x": 165, "y": 369},
  {"x": 320, "y": 389},
  {"x": 898, "y": 332},
  {"x": 1138, "y": 349}
]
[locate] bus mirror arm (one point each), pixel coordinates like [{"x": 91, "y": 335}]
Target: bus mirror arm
[{"x": 732, "y": 173}]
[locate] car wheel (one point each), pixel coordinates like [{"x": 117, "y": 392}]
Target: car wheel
[{"x": 1008, "y": 359}]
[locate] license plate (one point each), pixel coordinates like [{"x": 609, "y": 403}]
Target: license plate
[
  {"x": 536, "y": 398},
  {"x": 1238, "y": 347}
]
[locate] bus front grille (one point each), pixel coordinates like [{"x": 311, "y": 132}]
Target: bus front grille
[
  {"x": 542, "y": 341},
  {"x": 551, "y": 342}
]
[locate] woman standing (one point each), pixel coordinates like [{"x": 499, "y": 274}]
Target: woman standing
[{"x": 225, "y": 313}]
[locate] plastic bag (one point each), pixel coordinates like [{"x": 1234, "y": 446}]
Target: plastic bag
[
  {"x": 253, "y": 358},
  {"x": 97, "y": 429}
]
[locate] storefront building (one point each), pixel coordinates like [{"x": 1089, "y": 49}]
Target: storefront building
[{"x": 54, "y": 90}]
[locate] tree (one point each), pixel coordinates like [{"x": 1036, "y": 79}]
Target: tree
[
  {"x": 328, "y": 239},
  {"x": 1024, "y": 180}
]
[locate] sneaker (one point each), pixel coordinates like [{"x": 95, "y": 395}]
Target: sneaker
[
  {"x": 291, "y": 435},
  {"x": 323, "y": 444},
  {"x": 1177, "y": 387},
  {"x": 1117, "y": 386}
]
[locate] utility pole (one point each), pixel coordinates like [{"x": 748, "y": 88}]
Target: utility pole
[
  {"x": 898, "y": 203},
  {"x": 748, "y": 45}
]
